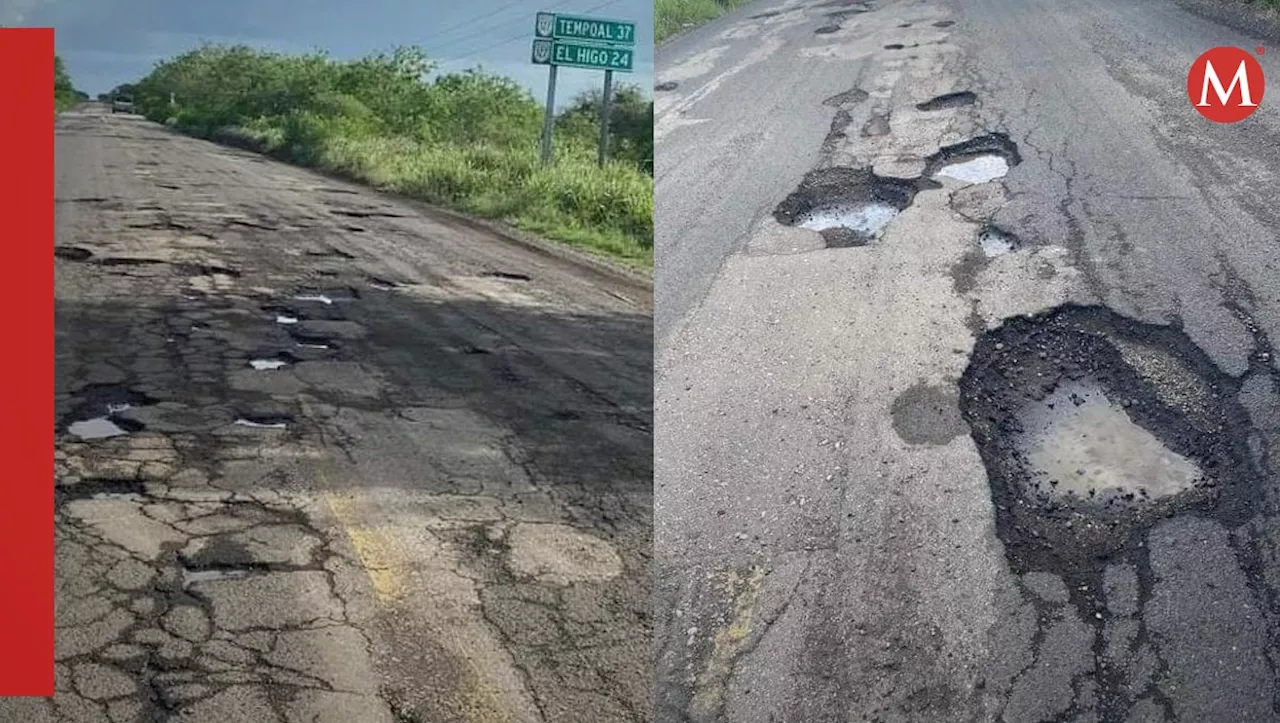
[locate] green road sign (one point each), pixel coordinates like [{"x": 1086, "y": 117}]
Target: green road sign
[
  {"x": 582, "y": 55},
  {"x": 579, "y": 27}
]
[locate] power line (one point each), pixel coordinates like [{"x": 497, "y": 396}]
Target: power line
[
  {"x": 526, "y": 33},
  {"x": 489, "y": 30},
  {"x": 470, "y": 21}
]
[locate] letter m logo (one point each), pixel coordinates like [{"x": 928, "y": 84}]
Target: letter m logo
[{"x": 1232, "y": 100}]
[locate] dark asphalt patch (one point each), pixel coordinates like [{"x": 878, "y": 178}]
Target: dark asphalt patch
[
  {"x": 837, "y": 191},
  {"x": 837, "y": 132},
  {"x": 667, "y": 86},
  {"x": 1028, "y": 359},
  {"x": 949, "y": 100},
  {"x": 853, "y": 96},
  {"x": 925, "y": 414},
  {"x": 72, "y": 253}
]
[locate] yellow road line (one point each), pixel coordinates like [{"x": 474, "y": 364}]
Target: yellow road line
[{"x": 376, "y": 552}]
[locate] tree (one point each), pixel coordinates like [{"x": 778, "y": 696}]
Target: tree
[{"x": 630, "y": 123}]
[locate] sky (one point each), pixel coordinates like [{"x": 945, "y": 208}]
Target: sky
[{"x": 108, "y": 42}]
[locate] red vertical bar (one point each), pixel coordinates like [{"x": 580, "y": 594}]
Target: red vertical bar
[{"x": 26, "y": 395}]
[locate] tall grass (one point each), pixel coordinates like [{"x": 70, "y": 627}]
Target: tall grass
[
  {"x": 467, "y": 141},
  {"x": 673, "y": 16}
]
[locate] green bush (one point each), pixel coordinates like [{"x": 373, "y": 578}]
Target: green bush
[
  {"x": 65, "y": 94},
  {"x": 465, "y": 140}
]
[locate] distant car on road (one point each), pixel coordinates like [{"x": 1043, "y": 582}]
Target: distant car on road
[{"x": 122, "y": 104}]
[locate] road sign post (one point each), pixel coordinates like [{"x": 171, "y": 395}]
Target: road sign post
[
  {"x": 605, "y": 101},
  {"x": 578, "y": 41},
  {"x": 549, "y": 120}
]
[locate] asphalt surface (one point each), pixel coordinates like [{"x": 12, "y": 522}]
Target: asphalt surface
[
  {"x": 864, "y": 437},
  {"x": 370, "y": 463}
]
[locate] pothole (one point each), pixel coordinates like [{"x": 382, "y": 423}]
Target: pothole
[
  {"x": 263, "y": 421},
  {"x": 95, "y": 415},
  {"x": 894, "y": 46},
  {"x": 847, "y": 206},
  {"x": 1084, "y": 450},
  {"x": 96, "y": 428},
  {"x": 666, "y": 87},
  {"x": 949, "y": 100},
  {"x": 326, "y": 296},
  {"x": 507, "y": 276},
  {"x": 72, "y": 253},
  {"x": 995, "y": 242},
  {"x": 977, "y": 160},
  {"x": 192, "y": 577},
  {"x": 944, "y": 23},
  {"x": 852, "y": 96},
  {"x": 101, "y": 489},
  {"x": 360, "y": 213},
  {"x": 382, "y": 284},
  {"x": 827, "y": 30}
]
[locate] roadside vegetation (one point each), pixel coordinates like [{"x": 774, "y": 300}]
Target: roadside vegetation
[
  {"x": 674, "y": 16},
  {"x": 65, "y": 94},
  {"x": 467, "y": 141}
]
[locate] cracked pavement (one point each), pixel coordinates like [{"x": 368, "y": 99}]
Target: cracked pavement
[
  {"x": 828, "y": 544},
  {"x": 328, "y": 456}
]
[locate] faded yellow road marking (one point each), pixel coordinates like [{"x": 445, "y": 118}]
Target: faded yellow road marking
[
  {"x": 372, "y": 546},
  {"x": 728, "y": 643}
]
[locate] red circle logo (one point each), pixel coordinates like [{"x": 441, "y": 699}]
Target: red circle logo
[{"x": 1225, "y": 84}]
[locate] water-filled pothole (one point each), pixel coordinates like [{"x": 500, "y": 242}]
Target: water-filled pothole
[
  {"x": 977, "y": 160},
  {"x": 262, "y": 422},
  {"x": 847, "y": 206},
  {"x": 96, "y": 428},
  {"x": 1084, "y": 450},
  {"x": 97, "y": 410},
  {"x": 864, "y": 220},
  {"x": 995, "y": 242}
]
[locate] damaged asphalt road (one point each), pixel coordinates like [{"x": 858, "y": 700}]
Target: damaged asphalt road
[
  {"x": 326, "y": 456},
  {"x": 966, "y": 369}
]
